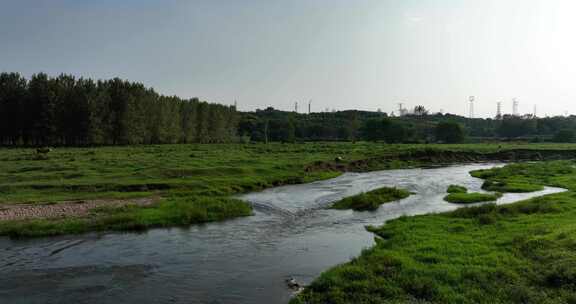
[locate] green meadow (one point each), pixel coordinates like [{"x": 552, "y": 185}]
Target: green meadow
[{"x": 197, "y": 183}]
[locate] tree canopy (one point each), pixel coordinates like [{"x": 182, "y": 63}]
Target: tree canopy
[
  {"x": 65, "y": 110},
  {"x": 449, "y": 132}
]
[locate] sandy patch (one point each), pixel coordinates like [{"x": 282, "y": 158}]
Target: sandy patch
[{"x": 64, "y": 209}]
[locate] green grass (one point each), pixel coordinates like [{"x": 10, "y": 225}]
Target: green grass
[
  {"x": 470, "y": 198},
  {"x": 200, "y": 171},
  {"x": 456, "y": 189},
  {"x": 168, "y": 212},
  {"x": 371, "y": 200},
  {"x": 518, "y": 253},
  {"x": 523, "y": 177},
  {"x": 504, "y": 186}
]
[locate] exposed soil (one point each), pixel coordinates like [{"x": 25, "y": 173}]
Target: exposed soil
[
  {"x": 439, "y": 157},
  {"x": 64, "y": 209}
]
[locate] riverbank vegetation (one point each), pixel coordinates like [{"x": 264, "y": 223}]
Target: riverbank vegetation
[
  {"x": 459, "y": 195},
  {"x": 208, "y": 171},
  {"x": 502, "y": 180},
  {"x": 371, "y": 200},
  {"x": 456, "y": 189},
  {"x": 470, "y": 198},
  {"x": 173, "y": 211},
  {"x": 518, "y": 253}
]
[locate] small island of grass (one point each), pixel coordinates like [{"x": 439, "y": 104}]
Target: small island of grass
[
  {"x": 370, "y": 201},
  {"x": 470, "y": 198},
  {"x": 459, "y": 195},
  {"x": 456, "y": 189}
]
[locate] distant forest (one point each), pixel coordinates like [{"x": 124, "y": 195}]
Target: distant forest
[
  {"x": 419, "y": 126},
  {"x": 65, "y": 110}
]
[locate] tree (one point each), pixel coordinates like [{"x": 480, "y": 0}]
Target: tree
[
  {"x": 420, "y": 111},
  {"x": 449, "y": 132},
  {"x": 290, "y": 130},
  {"x": 13, "y": 94},
  {"x": 384, "y": 129},
  {"x": 65, "y": 110},
  {"x": 373, "y": 129},
  {"x": 514, "y": 126},
  {"x": 564, "y": 136},
  {"x": 351, "y": 128},
  {"x": 395, "y": 132}
]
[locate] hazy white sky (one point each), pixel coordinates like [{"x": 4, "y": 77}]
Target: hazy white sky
[{"x": 343, "y": 54}]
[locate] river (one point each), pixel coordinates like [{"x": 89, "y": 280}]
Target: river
[{"x": 244, "y": 260}]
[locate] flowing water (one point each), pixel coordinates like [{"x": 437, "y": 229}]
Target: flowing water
[{"x": 243, "y": 260}]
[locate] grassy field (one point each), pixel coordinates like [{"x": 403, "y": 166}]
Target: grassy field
[
  {"x": 518, "y": 253},
  {"x": 371, "y": 200},
  {"x": 189, "y": 176}
]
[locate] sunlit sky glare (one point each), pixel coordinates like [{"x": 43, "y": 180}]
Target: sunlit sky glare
[{"x": 342, "y": 54}]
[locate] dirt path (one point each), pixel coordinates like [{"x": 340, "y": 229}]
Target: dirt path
[{"x": 64, "y": 209}]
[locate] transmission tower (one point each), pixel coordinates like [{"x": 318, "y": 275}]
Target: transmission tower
[
  {"x": 535, "y": 111},
  {"x": 499, "y": 110},
  {"x": 296, "y": 107},
  {"x": 471, "y": 100},
  {"x": 515, "y": 107}
]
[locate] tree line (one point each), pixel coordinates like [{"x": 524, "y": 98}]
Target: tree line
[
  {"x": 65, "y": 110},
  {"x": 419, "y": 126}
]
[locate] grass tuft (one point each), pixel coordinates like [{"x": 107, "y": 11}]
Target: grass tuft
[
  {"x": 370, "y": 201},
  {"x": 456, "y": 189},
  {"x": 470, "y": 198}
]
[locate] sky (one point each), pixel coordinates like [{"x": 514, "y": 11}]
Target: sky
[{"x": 341, "y": 54}]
